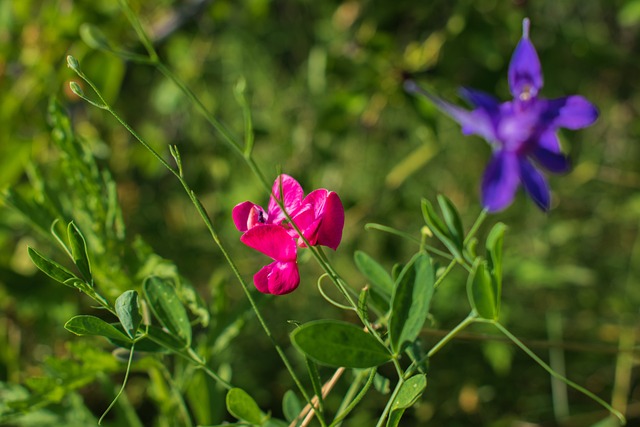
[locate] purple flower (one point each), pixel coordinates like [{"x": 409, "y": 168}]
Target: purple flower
[
  {"x": 522, "y": 132},
  {"x": 319, "y": 216}
]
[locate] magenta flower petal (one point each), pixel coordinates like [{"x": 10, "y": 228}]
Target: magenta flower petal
[
  {"x": 525, "y": 72},
  {"x": 571, "y": 112},
  {"x": 288, "y": 190},
  {"x": 246, "y": 215},
  {"x": 329, "y": 207},
  {"x": 535, "y": 184},
  {"x": 500, "y": 182},
  {"x": 308, "y": 223},
  {"x": 277, "y": 278},
  {"x": 272, "y": 240}
]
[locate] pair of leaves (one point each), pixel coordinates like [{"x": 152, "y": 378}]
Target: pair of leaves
[
  {"x": 447, "y": 229},
  {"x": 77, "y": 251},
  {"x": 164, "y": 303},
  {"x": 484, "y": 286},
  {"x": 128, "y": 314}
]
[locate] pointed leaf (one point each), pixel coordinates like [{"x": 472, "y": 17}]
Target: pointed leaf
[
  {"x": 243, "y": 407},
  {"x": 452, "y": 220},
  {"x": 167, "y": 308},
  {"x": 79, "y": 251},
  {"x": 481, "y": 291},
  {"x": 91, "y": 325},
  {"x": 374, "y": 273},
  {"x": 335, "y": 343},
  {"x": 411, "y": 301},
  {"x": 439, "y": 229},
  {"x": 362, "y": 304},
  {"x": 128, "y": 313},
  {"x": 53, "y": 269}
]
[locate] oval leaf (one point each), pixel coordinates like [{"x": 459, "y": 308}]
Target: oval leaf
[
  {"x": 167, "y": 308},
  {"x": 335, "y": 343},
  {"x": 79, "y": 250},
  {"x": 481, "y": 291},
  {"x": 91, "y": 325},
  {"x": 411, "y": 301},
  {"x": 128, "y": 313},
  {"x": 494, "y": 255},
  {"x": 291, "y": 406},
  {"x": 408, "y": 394},
  {"x": 53, "y": 269},
  {"x": 243, "y": 407},
  {"x": 374, "y": 273}
]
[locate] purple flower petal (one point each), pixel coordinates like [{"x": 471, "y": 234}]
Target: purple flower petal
[
  {"x": 551, "y": 161},
  {"x": 548, "y": 140},
  {"x": 525, "y": 72},
  {"x": 293, "y": 193},
  {"x": 500, "y": 181},
  {"x": 271, "y": 240},
  {"x": 535, "y": 184},
  {"x": 571, "y": 112},
  {"x": 277, "y": 278},
  {"x": 480, "y": 99},
  {"x": 246, "y": 215}
]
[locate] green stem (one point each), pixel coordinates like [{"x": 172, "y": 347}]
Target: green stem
[
  {"x": 349, "y": 398},
  {"x": 445, "y": 273},
  {"x": 553, "y": 373},
  {"x": 476, "y": 225},
  {"x": 472, "y": 317},
  {"x": 209, "y": 225},
  {"x": 387, "y": 408}
]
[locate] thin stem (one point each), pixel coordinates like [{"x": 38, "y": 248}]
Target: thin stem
[
  {"x": 343, "y": 412},
  {"x": 476, "y": 225},
  {"x": 553, "y": 373},
  {"x": 124, "y": 384},
  {"x": 445, "y": 273},
  {"x": 387, "y": 408},
  {"x": 472, "y": 317},
  {"x": 209, "y": 225},
  {"x": 142, "y": 35}
]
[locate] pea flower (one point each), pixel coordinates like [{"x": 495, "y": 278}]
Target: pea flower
[
  {"x": 522, "y": 132},
  {"x": 319, "y": 216}
]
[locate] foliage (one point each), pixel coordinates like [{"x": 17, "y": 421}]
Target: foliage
[{"x": 229, "y": 95}]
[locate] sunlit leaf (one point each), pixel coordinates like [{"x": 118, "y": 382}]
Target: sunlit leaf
[
  {"x": 79, "y": 251},
  {"x": 243, "y": 407},
  {"x": 128, "y": 313},
  {"x": 91, "y": 325},
  {"x": 167, "y": 308},
  {"x": 53, "y": 269}
]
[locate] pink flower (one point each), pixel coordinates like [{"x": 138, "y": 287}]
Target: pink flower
[{"x": 319, "y": 216}]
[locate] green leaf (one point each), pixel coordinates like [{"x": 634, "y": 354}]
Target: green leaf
[
  {"x": 94, "y": 38},
  {"x": 79, "y": 251},
  {"x": 53, "y": 269},
  {"x": 243, "y": 407},
  {"x": 335, "y": 343},
  {"x": 374, "y": 273},
  {"x": 362, "y": 304},
  {"x": 411, "y": 301},
  {"x": 291, "y": 406},
  {"x": 452, "y": 220},
  {"x": 494, "y": 255},
  {"x": 481, "y": 291},
  {"x": 167, "y": 308},
  {"x": 91, "y": 325},
  {"x": 439, "y": 229},
  {"x": 408, "y": 394},
  {"x": 128, "y": 313}
]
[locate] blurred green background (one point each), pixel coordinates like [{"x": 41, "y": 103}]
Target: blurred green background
[{"x": 324, "y": 81}]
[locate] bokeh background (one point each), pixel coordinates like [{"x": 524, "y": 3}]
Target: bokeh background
[{"x": 324, "y": 82}]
